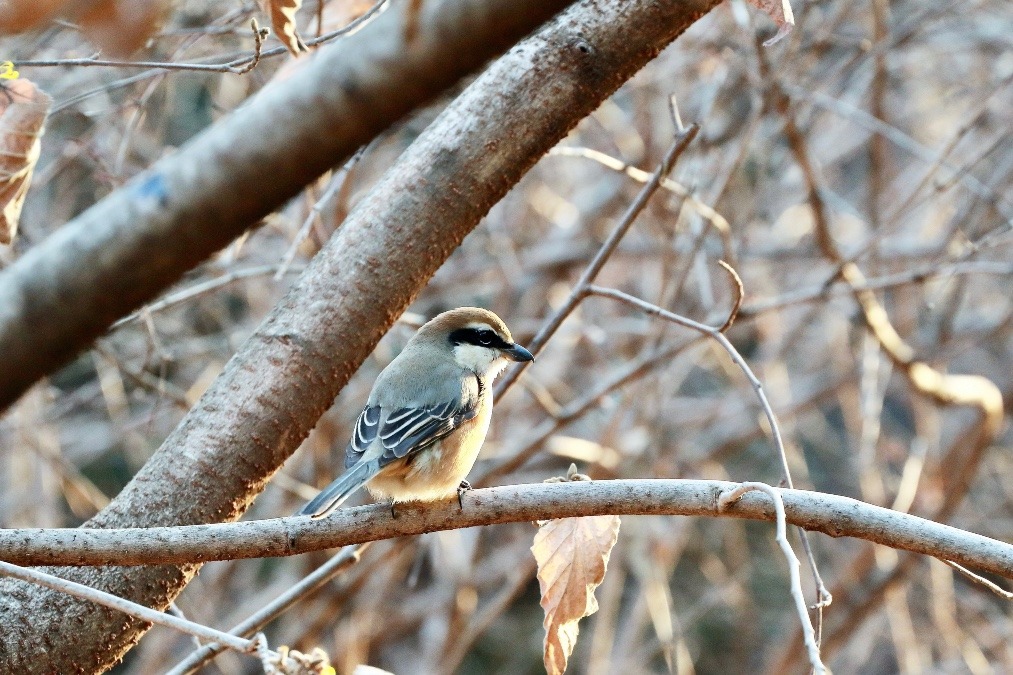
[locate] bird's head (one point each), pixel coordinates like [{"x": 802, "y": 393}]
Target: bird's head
[{"x": 477, "y": 339}]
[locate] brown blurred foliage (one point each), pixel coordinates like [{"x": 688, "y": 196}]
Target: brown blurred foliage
[
  {"x": 116, "y": 27},
  {"x": 904, "y": 111},
  {"x": 23, "y": 111}
]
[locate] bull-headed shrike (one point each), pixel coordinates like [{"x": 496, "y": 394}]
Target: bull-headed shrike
[{"x": 428, "y": 413}]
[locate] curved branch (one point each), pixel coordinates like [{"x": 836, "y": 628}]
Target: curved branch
[{"x": 830, "y": 514}]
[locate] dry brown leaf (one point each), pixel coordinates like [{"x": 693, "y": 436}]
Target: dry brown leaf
[
  {"x": 17, "y": 16},
  {"x": 121, "y": 27},
  {"x": 23, "y": 111},
  {"x": 282, "y": 13},
  {"x": 572, "y": 555}
]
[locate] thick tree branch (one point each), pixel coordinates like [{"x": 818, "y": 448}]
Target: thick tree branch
[
  {"x": 830, "y": 514},
  {"x": 286, "y": 375},
  {"x": 140, "y": 239}
]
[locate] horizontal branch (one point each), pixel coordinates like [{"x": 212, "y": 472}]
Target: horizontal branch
[{"x": 830, "y": 514}]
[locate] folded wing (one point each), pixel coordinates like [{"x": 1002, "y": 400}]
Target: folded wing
[{"x": 405, "y": 431}]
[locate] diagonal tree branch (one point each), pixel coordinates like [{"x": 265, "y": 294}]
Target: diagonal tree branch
[
  {"x": 140, "y": 239},
  {"x": 283, "y": 378}
]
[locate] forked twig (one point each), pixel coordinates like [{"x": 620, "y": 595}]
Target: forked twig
[
  {"x": 682, "y": 140},
  {"x": 824, "y": 597},
  {"x": 808, "y": 633}
]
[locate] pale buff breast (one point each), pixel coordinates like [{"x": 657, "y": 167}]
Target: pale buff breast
[{"x": 436, "y": 472}]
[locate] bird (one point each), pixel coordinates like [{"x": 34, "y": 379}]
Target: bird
[{"x": 428, "y": 413}]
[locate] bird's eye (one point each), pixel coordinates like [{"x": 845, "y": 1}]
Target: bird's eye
[{"x": 485, "y": 338}]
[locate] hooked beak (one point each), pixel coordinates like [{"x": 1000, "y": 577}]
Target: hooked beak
[{"x": 517, "y": 353}]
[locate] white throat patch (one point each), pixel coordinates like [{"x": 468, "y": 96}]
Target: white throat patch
[{"x": 485, "y": 361}]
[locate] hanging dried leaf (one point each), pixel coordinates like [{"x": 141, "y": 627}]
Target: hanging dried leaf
[
  {"x": 780, "y": 12},
  {"x": 23, "y": 111},
  {"x": 282, "y": 13},
  {"x": 17, "y": 16},
  {"x": 121, "y": 27},
  {"x": 572, "y": 554}
]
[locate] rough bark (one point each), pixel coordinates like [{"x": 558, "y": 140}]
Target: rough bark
[
  {"x": 284, "y": 377},
  {"x": 139, "y": 240}
]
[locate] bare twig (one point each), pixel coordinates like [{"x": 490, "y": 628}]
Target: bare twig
[
  {"x": 204, "y": 288},
  {"x": 716, "y": 334},
  {"x": 727, "y": 499},
  {"x": 679, "y": 144},
  {"x": 739, "y": 292},
  {"x": 238, "y": 65},
  {"x": 978, "y": 579},
  {"x": 945, "y": 389},
  {"x": 917, "y": 275},
  {"x": 707, "y": 212},
  {"x": 337, "y": 181},
  {"x": 123, "y": 605},
  {"x": 825, "y": 598},
  {"x": 576, "y": 410},
  {"x": 347, "y": 557}
]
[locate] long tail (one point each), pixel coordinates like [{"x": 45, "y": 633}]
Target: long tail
[{"x": 338, "y": 491}]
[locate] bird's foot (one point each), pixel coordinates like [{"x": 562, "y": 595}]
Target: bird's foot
[{"x": 465, "y": 486}]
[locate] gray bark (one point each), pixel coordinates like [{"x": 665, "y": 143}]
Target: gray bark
[{"x": 831, "y": 514}]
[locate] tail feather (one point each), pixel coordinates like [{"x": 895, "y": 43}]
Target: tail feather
[{"x": 343, "y": 486}]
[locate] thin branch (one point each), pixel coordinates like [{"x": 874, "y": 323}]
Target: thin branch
[
  {"x": 654, "y": 310},
  {"x": 344, "y": 559},
  {"x": 707, "y": 212},
  {"x": 831, "y": 514},
  {"x": 906, "y": 142},
  {"x": 945, "y": 389},
  {"x": 336, "y": 183},
  {"x": 739, "y": 292},
  {"x": 679, "y": 144},
  {"x": 824, "y": 596},
  {"x": 830, "y": 288},
  {"x": 809, "y": 635},
  {"x": 239, "y": 65},
  {"x": 141, "y": 612},
  {"x": 978, "y": 579},
  {"x": 575, "y": 410},
  {"x": 204, "y": 288}
]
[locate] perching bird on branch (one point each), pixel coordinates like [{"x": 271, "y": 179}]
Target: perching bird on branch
[{"x": 428, "y": 413}]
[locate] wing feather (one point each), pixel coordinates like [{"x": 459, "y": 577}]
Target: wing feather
[
  {"x": 405, "y": 430},
  {"x": 366, "y": 428},
  {"x": 422, "y": 428}
]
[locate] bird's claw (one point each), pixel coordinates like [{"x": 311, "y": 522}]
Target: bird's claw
[{"x": 465, "y": 486}]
